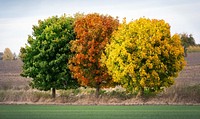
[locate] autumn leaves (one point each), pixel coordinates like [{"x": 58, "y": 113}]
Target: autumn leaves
[
  {"x": 140, "y": 55},
  {"x": 155, "y": 56},
  {"x": 98, "y": 51},
  {"x": 93, "y": 34},
  {"x": 143, "y": 57}
]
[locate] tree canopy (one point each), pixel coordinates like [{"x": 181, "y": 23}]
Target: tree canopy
[
  {"x": 187, "y": 40},
  {"x": 93, "y": 33},
  {"x": 143, "y": 57},
  {"x": 7, "y": 55},
  {"x": 96, "y": 51},
  {"x": 46, "y": 55}
]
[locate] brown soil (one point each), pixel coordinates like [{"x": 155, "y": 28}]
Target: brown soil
[
  {"x": 15, "y": 89},
  {"x": 10, "y": 75},
  {"x": 190, "y": 75}
]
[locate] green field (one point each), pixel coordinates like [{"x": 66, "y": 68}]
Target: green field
[{"x": 98, "y": 112}]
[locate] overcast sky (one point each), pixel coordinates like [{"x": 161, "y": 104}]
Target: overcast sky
[{"x": 18, "y": 16}]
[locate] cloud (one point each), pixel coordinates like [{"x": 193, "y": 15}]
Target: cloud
[{"x": 18, "y": 16}]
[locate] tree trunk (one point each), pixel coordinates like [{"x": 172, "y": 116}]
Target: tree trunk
[
  {"x": 140, "y": 93},
  {"x": 97, "y": 90},
  {"x": 53, "y": 93}
]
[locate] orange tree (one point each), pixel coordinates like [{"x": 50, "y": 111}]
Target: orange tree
[
  {"x": 143, "y": 57},
  {"x": 93, "y": 32}
]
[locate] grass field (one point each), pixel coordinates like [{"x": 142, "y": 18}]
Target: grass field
[{"x": 98, "y": 112}]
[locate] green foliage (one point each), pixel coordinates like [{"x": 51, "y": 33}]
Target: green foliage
[
  {"x": 7, "y": 55},
  {"x": 143, "y": 57},
  {"x": 46, "y": 55},
  {"x": 187, "y": 40}
]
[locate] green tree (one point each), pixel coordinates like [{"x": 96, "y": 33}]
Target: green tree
[
  {"x": 143, "y": 57},
  {"x": 93, "y": 33},
  {"x": 187, "y": 40},
  {"x": 7, "y": 55},
  {"x": 46, "y": 55}
]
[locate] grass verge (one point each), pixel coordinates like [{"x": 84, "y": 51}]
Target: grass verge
[
  {"x": 98, "y": 112},
  {"x": 116, "y": 96}
]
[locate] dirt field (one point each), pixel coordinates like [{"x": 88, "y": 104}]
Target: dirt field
[
  {"x": 190, "y": 75},
  {"x": 15, "y": 89},
  {"x": 10, "y": 75}
]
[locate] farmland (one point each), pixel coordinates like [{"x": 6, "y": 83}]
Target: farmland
[
  {"x": 98, "y": 112},
  {"x": 15, "y": 89}
]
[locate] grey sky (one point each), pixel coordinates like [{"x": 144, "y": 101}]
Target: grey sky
[{"x": 18, "y": 16}]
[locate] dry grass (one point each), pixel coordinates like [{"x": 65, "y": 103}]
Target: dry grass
[
  {"x": 173, "y": 95},
  {"x": 15, "y": 89},
  {"x": 193, "y": 49}
]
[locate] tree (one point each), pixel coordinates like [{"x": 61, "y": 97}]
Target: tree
[
  {"x": 7, "y": 55},
  {"x": 47, "y": 52},
  {"x": 143, "y": 57},
  {"x": 93, "y": 33},
  {"x": 14, "y": 56},
  {"x": 187, "y": 40}
]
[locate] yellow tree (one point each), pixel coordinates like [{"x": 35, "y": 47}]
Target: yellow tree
[
  {"x": 143, "y": 56},
  {"x": 93, "y": 33},
  {"x": 7, "y": 55}
]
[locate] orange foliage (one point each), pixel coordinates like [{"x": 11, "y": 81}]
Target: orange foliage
[{"x": 93, "y": 33}]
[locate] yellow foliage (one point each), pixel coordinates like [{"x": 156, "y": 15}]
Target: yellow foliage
[
  {"x": 142, "y": 82},
  {"x": 143, "y": 55}
]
